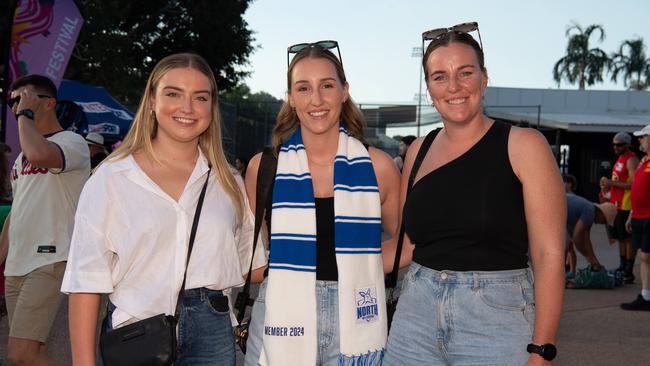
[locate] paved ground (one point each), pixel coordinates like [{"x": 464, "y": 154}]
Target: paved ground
[{"x": 594, "y": 331}]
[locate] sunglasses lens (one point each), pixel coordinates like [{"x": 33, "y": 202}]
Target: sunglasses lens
[
  {"x": 298, "y": 47},
  {"x": 13, "y": 101},
  {"x": 465, "y": 27},
  {"x": 433, "y": 34},
  {"x": 328, "y": 45}
]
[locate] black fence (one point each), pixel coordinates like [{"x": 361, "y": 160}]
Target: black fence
[{"x": 247, "y": 126}]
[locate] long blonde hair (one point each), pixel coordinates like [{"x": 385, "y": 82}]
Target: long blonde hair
[
  {"x": 145, "y": 127},
  {"x": 287, "y": 121}
]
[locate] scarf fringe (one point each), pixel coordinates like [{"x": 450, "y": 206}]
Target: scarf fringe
[{"x": 371, "y": 358}]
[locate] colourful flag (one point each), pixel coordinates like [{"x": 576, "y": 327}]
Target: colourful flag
[{"x": 43, "y": 36}]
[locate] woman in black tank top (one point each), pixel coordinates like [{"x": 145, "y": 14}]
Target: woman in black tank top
[{"x": 484, "y": 193}]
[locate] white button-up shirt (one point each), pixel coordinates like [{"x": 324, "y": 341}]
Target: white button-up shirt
[{"x": 131, "y": 239}]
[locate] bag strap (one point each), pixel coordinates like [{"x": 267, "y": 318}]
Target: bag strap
[
  {"x": 424, "y": 148},
  {"x": 195, "y": 224},
  {"x": 265, "y": 175}
]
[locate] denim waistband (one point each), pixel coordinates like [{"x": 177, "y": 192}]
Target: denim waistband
[
  {"x": 474, "y": 278},
  {"x": 327, "y": 284},
  {"x": 201, "y": 293}
]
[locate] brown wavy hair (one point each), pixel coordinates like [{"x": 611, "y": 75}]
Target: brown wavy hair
[
  {"x": 144, "y": 128},
  {"x": 287, "y": 121}
]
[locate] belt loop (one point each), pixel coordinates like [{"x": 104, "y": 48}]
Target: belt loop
[
  {"x": 475, "y": 284},
  {"x": 530, "y": 276}
]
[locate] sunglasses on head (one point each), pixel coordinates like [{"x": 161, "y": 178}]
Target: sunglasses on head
[
  {"x": 435, "y": 34},
  {"x": 619, "y": 144},
  {"x": 16, "y": 100},
  {"x": 326, "y": 45}
]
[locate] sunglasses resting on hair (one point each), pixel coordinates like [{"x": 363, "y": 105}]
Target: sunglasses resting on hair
[
  {"x": 326, "y": 45},
  {"x": 437, "y": 33}
]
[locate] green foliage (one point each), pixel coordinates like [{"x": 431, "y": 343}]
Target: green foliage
[
  {"x": 581, "y": 63},
  {"x": 121, "y": 40},
  {"x": 630, "y": 60}
]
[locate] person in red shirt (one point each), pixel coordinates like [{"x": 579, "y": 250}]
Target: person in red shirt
[
  {"x": 618, "y": 188},
  {"x": 638, "y": 222}
]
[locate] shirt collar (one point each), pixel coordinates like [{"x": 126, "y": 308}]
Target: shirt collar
[{"x": 133, "y": 171}]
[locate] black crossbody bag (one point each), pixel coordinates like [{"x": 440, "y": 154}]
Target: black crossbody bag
[
  {"x": 391, "y": 279},
  {"x": 151, "y": 341},
  {"x": 265, "y": 175}
]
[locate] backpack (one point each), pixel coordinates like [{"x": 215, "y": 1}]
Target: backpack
[{"x": 588, "y": 278}]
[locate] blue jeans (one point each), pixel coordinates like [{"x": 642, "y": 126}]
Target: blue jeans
[
  {"x": 462, "y": 318},
  {"x": 327, "y": 308},
  {"x": 205, "y": 335}
]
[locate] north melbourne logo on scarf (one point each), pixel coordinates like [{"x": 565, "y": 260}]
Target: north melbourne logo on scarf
[{"x": 367, "y": 309}]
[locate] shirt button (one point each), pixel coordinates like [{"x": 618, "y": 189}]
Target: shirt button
[{"x": 444, "y": 276}]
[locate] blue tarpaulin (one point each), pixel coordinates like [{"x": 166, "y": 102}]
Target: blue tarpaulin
[{"x": 103, "y": 114}]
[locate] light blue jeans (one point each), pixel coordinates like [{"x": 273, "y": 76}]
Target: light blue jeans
[
  {"x": 462, "y": 318},
  {"x": 205, "y": 334},
  {"x": 327, "y": 308}
]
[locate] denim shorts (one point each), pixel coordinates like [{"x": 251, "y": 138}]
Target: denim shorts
[
  {"x": 327, "y": 303},
  {"x": 462, "y": 318},
  {"x": 205, "y": 335}
]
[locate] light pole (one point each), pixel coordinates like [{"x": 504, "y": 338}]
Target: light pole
[{"x": 417, "y": 52}]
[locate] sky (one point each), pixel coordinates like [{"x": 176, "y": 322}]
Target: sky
[{"x": 522, "y": 40}]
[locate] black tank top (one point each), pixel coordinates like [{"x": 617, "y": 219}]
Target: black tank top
[
  {"x": 326, "y": 269},
  {"x": 468, "y": 215}
]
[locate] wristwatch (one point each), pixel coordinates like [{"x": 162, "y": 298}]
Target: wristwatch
[
  {"x": 547, "y": 350},
  {"x": 25, "y": 112}
]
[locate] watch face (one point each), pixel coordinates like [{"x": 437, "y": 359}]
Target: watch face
[{"x": 549, "y": 351}]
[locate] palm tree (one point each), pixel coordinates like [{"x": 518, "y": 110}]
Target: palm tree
[
  {"x": 581, "y": 63},
  {"x": 632, "y": 62}
]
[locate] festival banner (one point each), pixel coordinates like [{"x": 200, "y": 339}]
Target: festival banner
[{"x": 43, "y": 36}]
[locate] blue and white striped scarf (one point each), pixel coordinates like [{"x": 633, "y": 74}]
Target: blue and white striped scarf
[{"x": 290, "y": 323}]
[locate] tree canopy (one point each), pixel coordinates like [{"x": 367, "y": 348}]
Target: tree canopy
[
  {"x": 582, "y": 63},
  {"x": 121, "y": 40},
  {"x": 630, "y": 60}
]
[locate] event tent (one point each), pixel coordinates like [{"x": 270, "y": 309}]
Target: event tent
[{"x": 101, "y": 112}]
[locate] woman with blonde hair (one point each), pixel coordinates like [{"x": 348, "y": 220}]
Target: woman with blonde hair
[
  {"x": 135, "y": 215},
  {"x": 322, "y": 302}
]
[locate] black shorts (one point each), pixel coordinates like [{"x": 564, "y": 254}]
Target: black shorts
[
  {"x": 618, "y": 231},
  {"x": 641, "y": 234}
]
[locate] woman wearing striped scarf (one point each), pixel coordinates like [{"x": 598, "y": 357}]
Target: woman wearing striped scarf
[{"x": 322, "y": 301}]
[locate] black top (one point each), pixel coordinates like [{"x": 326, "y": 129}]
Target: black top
[
  {"x": 468, "y": 215},
  {"x": 326, "y": 268}
]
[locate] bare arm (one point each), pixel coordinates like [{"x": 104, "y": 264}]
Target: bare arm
[
  {"x": 545, "y": 208},
  {"x": 4, "y": 239},
  {"x": 37, "y": 149},
  {"x": 388, "y": 180},
  {"x": 251, "y": 191},
  {"x": 389, "y": 249},
  {"x": 631, "y": 166},
  {"x": 83, "y": 312}
]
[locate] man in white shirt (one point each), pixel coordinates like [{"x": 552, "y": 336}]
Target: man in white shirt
[{"x": 47, "y": 178}]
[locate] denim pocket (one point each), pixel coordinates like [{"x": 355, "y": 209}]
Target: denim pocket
[
  {"x": 219, "y": 304},
  {"x": 503, "y": 296}
]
